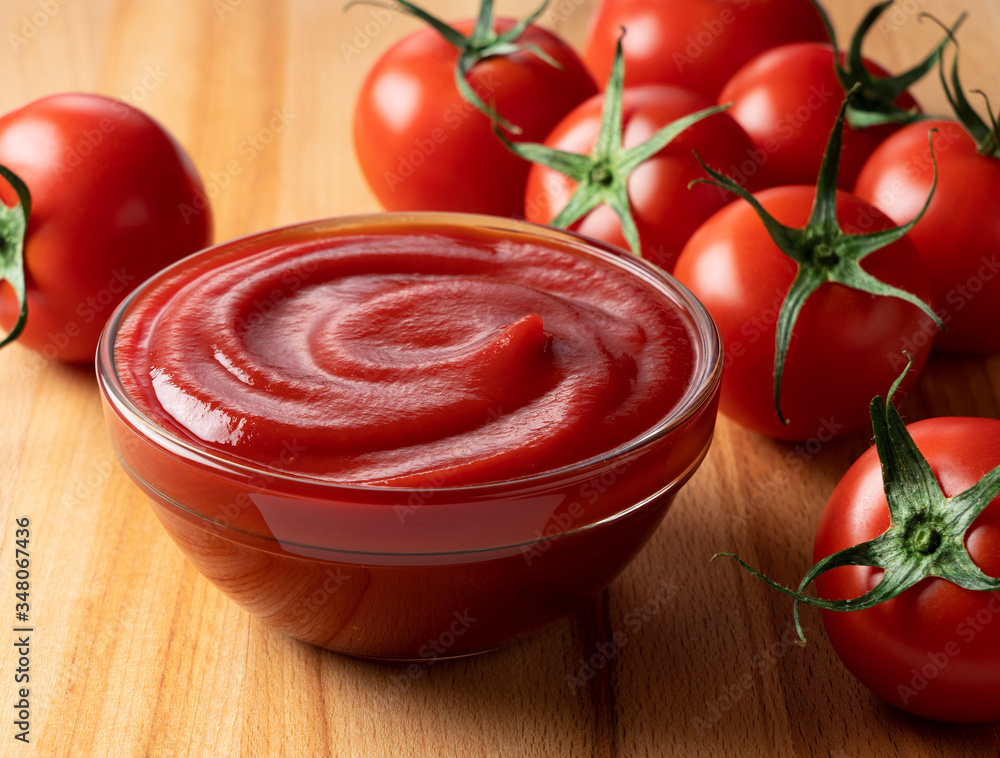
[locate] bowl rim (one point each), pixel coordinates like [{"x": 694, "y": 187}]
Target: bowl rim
[{"x": 706, "y": 340}]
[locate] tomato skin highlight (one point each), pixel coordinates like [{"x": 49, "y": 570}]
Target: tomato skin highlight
[
  {"x": 109, "y": 189},
  {"x": 666, "y": 211},
  {"x": 787, "y": 100},
  {"x": 422, "y": 147},
  {"x": 934, "y": 650},
  {"x": 846, "y": 346},
  {"x": 959, "y": 236},
  {"x": 697, "y": 44}
]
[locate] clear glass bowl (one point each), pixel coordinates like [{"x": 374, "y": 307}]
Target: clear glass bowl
[{"x": 426, "y": 572}]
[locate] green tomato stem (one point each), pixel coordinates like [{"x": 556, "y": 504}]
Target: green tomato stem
[
  {"x": 483, "y": 43},
  {"x": 13, "y": 227},
  {"x": 602, "y": 176},
  {"x": 985, "y": 134},
  {"x": 822, "y": 251},
  {"x": 873, "y": 100},
  {"x": 926, "y": 535}
]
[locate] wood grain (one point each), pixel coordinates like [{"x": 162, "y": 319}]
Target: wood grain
[{"x": 134, "y": 654}]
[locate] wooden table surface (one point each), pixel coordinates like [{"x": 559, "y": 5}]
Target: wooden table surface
[{"x": 134, "y": 653}]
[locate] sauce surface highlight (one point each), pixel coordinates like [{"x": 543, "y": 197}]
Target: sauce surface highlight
[{"x": 399, "y": 358}]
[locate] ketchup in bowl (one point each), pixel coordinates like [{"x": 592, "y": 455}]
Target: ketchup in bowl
[{"x": 382, "y": 434}]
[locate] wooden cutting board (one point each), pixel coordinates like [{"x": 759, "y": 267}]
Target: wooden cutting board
[{"x": 133, "y": 653}]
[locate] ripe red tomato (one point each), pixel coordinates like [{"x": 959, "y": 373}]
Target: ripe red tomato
[
  {"x": 959, "y": 235},
  {"x": 696, "y": 44},
  {"x": 846, "y": 345},
  {"x": 421, "y": 146},
  {"x": 933, "y": 650},
  {"x": 787, "y": 100},
  {"x": 108, "y": 187},
  {"x": 665, "y": 210}
]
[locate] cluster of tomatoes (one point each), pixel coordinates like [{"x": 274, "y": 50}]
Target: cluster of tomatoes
[
  {"x": 791, "y": 186},
  {"x": 852, "y": 249},
  {"x": 423, "y": 144}
]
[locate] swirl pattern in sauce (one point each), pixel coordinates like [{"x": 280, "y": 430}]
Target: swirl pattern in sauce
[{"x": 395, "y": 358}]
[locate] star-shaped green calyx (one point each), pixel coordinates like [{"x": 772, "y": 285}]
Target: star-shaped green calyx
[
  {"x": 602, "y": 176},
  {"x": 822, "y": 251},
  {"x": 13, "y": 226},
  {"x": 926, "y": 536},
  {"x": 873, "y": 98},
  {"x": 483, "y": 43}
]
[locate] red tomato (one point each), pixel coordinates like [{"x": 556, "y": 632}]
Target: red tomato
[
  {"x": 846, "y": 346},
  {"x": 959, "y": 236},
  {"x": 666, "y": 212},
  {"x": 933, "y": 650},
  {"x": 422, "y": 147},
  {"x": 696, "y": 44},
  {"x": 787, "y": 100},
  {"x": 114, "y": 200}
]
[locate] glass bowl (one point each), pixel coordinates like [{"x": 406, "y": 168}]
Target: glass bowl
[{"x": 420, "y": 572}]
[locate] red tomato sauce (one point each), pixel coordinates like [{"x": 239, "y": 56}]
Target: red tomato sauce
[
  {"x": 365, "y": 433},
  {"x": 395, "y": 358}
]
